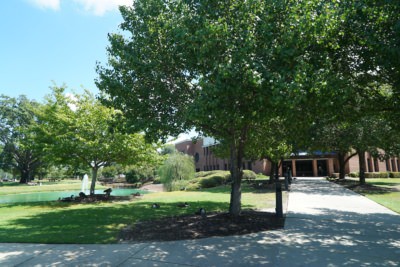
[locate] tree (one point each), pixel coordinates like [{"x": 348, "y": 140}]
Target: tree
[
  {"x": 225, "y": 68},
  {"x": 177, "y": 169},
  {"x": 78, "y": 129},
  {"x": 18, "y": 137}
]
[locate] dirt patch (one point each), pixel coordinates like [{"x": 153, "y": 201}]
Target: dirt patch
[
  {"x": 197, "y": 226},
  {"x": 98, "y": 198}
]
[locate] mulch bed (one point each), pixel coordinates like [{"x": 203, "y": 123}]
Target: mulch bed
[
  {"x": 196, "y": 226},
  {"x": 98, "y": 198}
]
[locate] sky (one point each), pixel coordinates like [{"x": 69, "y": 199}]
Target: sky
[{"x": 54, "y": 42}]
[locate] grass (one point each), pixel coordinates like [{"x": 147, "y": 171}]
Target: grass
[
  {"x": 388, "y": 198},
  {"x": 385, "y": 191},
  {"x": 56, "y": 222}
]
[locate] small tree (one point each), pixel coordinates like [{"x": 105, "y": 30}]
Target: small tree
[
  {"x": 177, "y": 169},
  {"x": 79, "y": 129}
]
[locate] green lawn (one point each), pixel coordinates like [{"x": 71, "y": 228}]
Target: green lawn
[
  {"x": 8, "y": 188},
  {"x": 385, "y": 191},
  {"x": 55, "y": 222},
  {"x": 388, "y": 198}
]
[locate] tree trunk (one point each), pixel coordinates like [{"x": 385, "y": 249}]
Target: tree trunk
[
  {"x": 361, "y": 160},
  {"x": 272, "y": 174},
  {"x": 342, "y": 165},
  {"x": 94, "y": 179},
  {"x": 24, "y": 176},
  {"x": 236, "y": 174}
]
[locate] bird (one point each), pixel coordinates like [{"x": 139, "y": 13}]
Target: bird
[
  {"x": 183, "y": 205},
  {"x": 155, "y": 206}
]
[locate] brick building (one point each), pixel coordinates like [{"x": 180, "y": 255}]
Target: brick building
[{"x": 303, "y": 164}]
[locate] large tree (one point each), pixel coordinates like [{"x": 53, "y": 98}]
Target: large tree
[
  {"x": 18, "y": 137},
  {"x": 79, "y": 130},
  {"x": 191, "y": 64},
  {"x": 223, "y": 67}
]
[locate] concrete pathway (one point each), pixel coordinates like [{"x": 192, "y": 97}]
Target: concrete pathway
[{"x": 326, "y": 225}]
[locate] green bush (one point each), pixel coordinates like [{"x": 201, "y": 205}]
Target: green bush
[
  {"x": 206, "y": 173},
  {"x": 176, "y": 168},
  {"x": 249, "y": 175},
  {"x": 157, "y": 180},
  {"x": 394, "y": 174},
  {"x": 370, "y": 175},
  {"x": 354, "y": 174},
  {"x": 193, "y": 186},
  {"x": 384, "y": 175},
  {"x": 261, "y": 176},
  {"x": 135, "y": 174},
  {"x": 177, "y": 185},
  {"x": 212, "y": 181},
  {"x": 376, "y": 175},
  {"x": 132, "y": 176}
]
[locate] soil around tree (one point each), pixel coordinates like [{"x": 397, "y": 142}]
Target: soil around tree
[{"x": 197, "y": 226}]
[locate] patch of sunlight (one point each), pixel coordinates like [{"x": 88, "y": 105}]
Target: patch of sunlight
[{"x": 4, "y": 255}]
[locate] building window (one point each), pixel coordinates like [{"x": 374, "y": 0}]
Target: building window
[
  {"x": 394, "y": 165},
  {"x": 226, "y": 167},
  {"x": 369, "y": 165},
  {"x": 249, "y": 165},
  {"x": 376, "y": 163},
  {"x": 388, "y": 165}
]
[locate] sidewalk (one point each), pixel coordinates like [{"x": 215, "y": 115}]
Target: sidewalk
[{"x": 326, "y": 225}]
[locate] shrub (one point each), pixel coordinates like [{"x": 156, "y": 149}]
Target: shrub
[
  {"x": 157, "y": 180},
  {"x": 261, "y": 176},
  {"x": 136, "y": 174},
  {"x": 376, "y": 175},
  {"x": 177, "y": 185},
  {"x": 370, "y": 175},
  {"x": 212, "y": 181},
  {"x": 205, "y": 173},
  {"x": 249, "y": 175},
  {"x": 354, "y": 174},
  {"x": 394, "y": 174},
  {"x": 384, "y": 175},
  {"x": 177, "y": 167},
  {"x": 335, "y": 175},
  {"x": 193, "y": 186}
]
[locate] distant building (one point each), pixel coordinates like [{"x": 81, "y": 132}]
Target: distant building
[{"x": 302, "y": 164}]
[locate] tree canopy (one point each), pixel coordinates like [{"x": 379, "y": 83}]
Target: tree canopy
[
  {"x": 77, "y": 129},
  {"x": 235, "y": 69},
  {"x": 18, "y": 137}
]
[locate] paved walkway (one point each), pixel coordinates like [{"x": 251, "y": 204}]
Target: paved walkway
[{"x": 326, "y": 225}]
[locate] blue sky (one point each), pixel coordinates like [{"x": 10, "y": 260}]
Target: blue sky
[{"x": 46, "y": 41}]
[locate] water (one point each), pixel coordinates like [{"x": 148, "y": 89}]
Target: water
[{"x": 51, "y": 196}]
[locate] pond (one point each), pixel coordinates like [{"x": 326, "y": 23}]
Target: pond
[{"x": 51, "y": 196}]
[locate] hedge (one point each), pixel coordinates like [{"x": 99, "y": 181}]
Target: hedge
[
  {"x": 376, "y": 175},
  {"x": 394, "y": 174}
]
